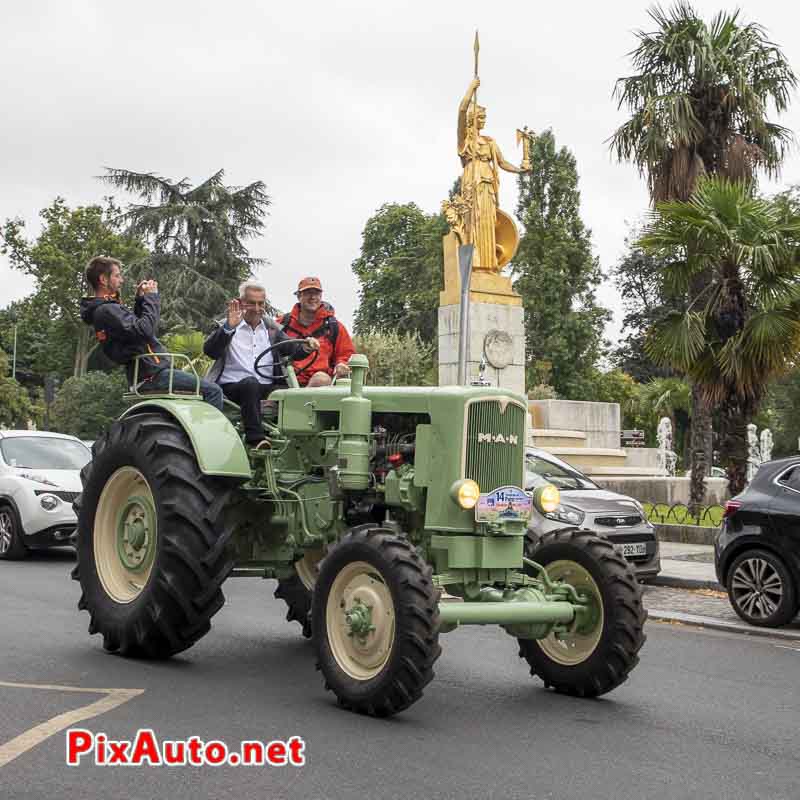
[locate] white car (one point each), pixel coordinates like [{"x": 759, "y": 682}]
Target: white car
[{"x": 39, "y": 480}]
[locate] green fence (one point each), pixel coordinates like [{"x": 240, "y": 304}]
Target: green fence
[{"x": 679, "y": 514}]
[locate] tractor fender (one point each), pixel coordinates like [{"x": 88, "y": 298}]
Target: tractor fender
[{"x": 216, "y": 443}]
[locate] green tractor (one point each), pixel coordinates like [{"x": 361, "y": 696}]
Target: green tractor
[{"x": 388, "y": 516}]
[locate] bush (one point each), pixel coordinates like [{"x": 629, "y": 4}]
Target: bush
[
  {"x": 16, "y": 407},
  {"x": 85, "y": 406},
  {"x": 395, "y": 359}
]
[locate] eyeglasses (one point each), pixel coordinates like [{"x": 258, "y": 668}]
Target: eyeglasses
[{"x": 257, "y": 304}]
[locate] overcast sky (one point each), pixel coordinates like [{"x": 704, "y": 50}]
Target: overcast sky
[{"x": 338, "y": 107}]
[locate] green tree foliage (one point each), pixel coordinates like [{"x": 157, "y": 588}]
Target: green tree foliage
[
  {"x": 557, "y": 275},
  {"x": 744, "y": 329},
  {"x": 85, "y": 406},
  {"x": 698, "y": 97},
  {"x": 666, "y": 397},
  {"x": 45, "y": 346},
  {"x": 639, "y": 277},
  {"x": 198, "y": 236},
  {"x": 400, "y": 271},
  {"x": 190, "y": 344},
  {"x": 16, "y": 407},
  {"x": 783, "y": 414},
  {"x": 396, "y": 359},
  {"x": 56, "y": 260}
]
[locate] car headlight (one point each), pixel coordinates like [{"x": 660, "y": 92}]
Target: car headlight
[
  {"x": 568, "y": 514},
  {"x": 547, "y": 498},
  {"x": 465, "y": 492},
  {"x": 49, "y": 502}
]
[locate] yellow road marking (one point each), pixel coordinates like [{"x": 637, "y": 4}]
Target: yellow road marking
[{"x": 37, "y": 734}]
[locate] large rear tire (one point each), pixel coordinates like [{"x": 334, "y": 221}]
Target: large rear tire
[
  {"x": 376, "y": 622},
  {"x": 600, "y": 655},
  {"x": 153, "y": 541},
  {"x": 296, "y": 591},
  {"x": 297, "y": 597}
]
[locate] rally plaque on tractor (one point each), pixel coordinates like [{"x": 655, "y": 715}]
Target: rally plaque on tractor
[{"x": 505, "y": 503}]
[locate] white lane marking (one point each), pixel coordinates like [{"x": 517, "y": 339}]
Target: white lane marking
[
  {"x": 786, "y": 647},
  {"x": 38, "y": 733}
]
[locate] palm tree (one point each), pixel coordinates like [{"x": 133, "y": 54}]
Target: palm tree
[
  {"x": 699, "y": 99},
  {"x": 667, "y": 397},
  {"x": 198, "y": 238},
  {"x": 744, "y": 328}
]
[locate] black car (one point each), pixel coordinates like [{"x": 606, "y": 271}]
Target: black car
[{"x": 757, "y": 549}]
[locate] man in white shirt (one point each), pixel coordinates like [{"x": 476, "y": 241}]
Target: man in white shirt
[{"x": 235, "y": 345}]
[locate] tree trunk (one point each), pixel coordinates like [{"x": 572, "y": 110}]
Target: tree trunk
[
  {"x": 81, "y": 352},
  {"x": 733, "y": 446},
  {"x": 701, "y": 445}
]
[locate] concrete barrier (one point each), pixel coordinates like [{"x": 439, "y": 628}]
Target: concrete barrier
[
  {"x": 664, "y": 489},
  {"x": 685, "y": 534}
]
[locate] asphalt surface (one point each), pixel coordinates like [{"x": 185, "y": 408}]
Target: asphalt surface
[{"x": 705, "y": 714}]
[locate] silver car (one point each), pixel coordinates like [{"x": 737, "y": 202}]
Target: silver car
[
  {"x": 39, "y": 480},
  {"x": 584, "y": 504}
]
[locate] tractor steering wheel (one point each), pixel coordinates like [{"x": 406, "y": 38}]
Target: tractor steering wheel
[{"x": 305, "y": 362}]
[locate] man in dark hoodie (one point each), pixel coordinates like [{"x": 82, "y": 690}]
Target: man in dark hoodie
[{"x": 124, "y": 334}]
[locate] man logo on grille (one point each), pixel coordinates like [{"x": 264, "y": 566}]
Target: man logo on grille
[{"x": 497, "y": 438}]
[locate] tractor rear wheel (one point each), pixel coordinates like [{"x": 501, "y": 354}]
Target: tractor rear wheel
[
  {"x": 376, "y": 622},
  {"x": 600, "y": 653},
  {"x": 296, "y": 590},
  {"x": 152, "y": 539}
]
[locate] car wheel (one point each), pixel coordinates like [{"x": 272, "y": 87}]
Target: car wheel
[
  {"x": 11, "y": 545},
  {"x": 761, "y": 589}
]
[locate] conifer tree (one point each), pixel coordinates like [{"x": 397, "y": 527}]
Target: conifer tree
[{"x": 557, "y": 275}]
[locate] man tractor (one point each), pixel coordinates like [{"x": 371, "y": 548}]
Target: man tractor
[{"x": 388, "y": 516}]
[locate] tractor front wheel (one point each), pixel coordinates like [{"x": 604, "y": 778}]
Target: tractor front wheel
[
  {"x": 599, "y": 653},
  {"x": 375, "y": 621},
  {"x": 152, "y": 539}
]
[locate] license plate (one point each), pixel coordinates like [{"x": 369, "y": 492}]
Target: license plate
[
  {"x": 634, "y": 549},
  {"x": 506, "y": 503}
]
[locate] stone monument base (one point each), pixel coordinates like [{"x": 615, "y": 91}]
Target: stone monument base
[{"x": 504, "y": 326}]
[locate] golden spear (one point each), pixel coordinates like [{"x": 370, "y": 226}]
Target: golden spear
[{"x": 476, "y": 48}]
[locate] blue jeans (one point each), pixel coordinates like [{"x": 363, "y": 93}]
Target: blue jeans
[{"x": 185, "y": 382}]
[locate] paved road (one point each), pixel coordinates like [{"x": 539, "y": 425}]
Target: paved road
[{"x": 704, "y": 715}]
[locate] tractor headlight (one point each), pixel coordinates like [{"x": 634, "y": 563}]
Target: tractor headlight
[
  {"x": 49, "y": 502},
  {"x": 547, "y": 498},
  {"x": 465, "y": 492}
]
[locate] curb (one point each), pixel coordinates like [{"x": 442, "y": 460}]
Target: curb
[
  {"x": 684, "y": 583},
  {"x": 722, "y": 625}
]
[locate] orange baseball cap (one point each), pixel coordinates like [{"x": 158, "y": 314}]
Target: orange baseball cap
[{"x": 309, "y": 283}]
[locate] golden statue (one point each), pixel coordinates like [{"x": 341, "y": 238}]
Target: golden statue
[
  {"x": 480, "y": 181},
  {"x": 473, "y": 214}
]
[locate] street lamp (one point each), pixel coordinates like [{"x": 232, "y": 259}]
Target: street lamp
[{"x": 14, "y": 356}]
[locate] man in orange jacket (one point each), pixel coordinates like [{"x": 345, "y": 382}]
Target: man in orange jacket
[{"x": 311, "y": 316}]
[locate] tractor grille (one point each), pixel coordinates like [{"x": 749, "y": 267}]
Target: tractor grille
[{"x": 495, "y": 444}]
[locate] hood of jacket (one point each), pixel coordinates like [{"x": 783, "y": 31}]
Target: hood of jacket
[
  {"x": 324, "y": 311},
  {"x": 90, "y": 304}
]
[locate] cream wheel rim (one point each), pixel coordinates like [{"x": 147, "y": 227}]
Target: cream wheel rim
[
  {"x": 307, "y": 568},
  {"x": 360, "y": 620},
  {"x": 570, "y": 649},
  {"x": 125, "y": 535}
]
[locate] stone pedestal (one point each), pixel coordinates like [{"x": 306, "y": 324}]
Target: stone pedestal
[
  {"x": 497, "y": 331},
  {"x": 496, "y": 325}
]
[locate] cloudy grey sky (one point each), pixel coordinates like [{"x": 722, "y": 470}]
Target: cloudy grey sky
[{"x": 338, "y": 107}]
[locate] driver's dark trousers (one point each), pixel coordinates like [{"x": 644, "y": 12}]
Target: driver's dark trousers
[{"x": 248, "y": 394}]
